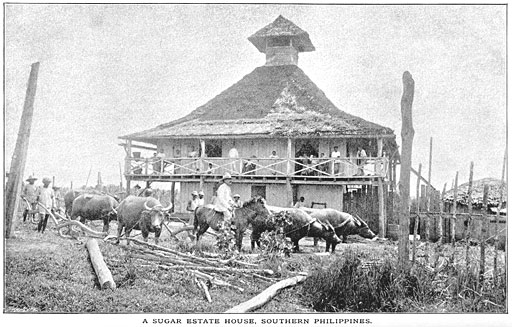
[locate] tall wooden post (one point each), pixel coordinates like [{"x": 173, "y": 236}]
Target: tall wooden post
[
  {"x": 405, "y": 171},
  {"x": 382, "y": 209},
  {"x": 497, "y": 220},
  {"x": 127, "y": 165},
  {"x": 202, "y": 166},
  {"x": 289, "y": 190},
  {"x": 19, "y": 157},
  {"x": 120, "y": 178},
  {"x": 484, "y": 231},
  {"x": 417, "y": 216},
  {"x": 429, "y": 186},
  {"x": 441, "y": 218},
  {"x": 467, "y": 229},
  {"x": 453, "y": 220}
]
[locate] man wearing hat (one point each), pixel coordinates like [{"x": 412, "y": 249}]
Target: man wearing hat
[
  {"x": 191, "y": 207},
  {"x": 30, "y": 193},
  {"x": 200, "y": 201},
  {"x": 46, "y": 197},
  {"x": 223, "y": 201},
  {"x": 238, "y": 202}
]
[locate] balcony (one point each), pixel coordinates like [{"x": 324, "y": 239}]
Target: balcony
[{"x": 277, "y": 170}]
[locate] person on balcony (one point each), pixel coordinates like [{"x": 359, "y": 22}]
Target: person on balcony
[
  {"x": 223, "y": 201},
  {"x": 273, "y": 165},
  {"x": 337, "y": 162},
  {"x": 233, "y": 157},
  {"x": 361, "y": 160},
  {"x": 194, "y": 154},
  {"x": 238, "y": 202}
]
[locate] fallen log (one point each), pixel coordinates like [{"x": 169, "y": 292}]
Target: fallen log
[
  {"x": 267, "y": 295},
  {"x": 99, "y": 265},
  {"x": 87, "y": 230}
]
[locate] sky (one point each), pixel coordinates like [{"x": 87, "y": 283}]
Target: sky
[{"x": 111, "y": 70}]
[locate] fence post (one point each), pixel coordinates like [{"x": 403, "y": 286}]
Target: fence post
[
  {"x": 470, "y": 211},
  {"x": 483, "y": 237},
  {"x": 417, "y": 216},
  {"x": 497, "y": 220},
  {"x": 453, "y": 220},
  {"x": 442, "y": 231}
]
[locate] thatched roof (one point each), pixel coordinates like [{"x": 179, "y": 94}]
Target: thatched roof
[
  {"x": 270, "y": 101},
  {"x": 282, "y": 27},
  {"x": 477, "y": 194}
]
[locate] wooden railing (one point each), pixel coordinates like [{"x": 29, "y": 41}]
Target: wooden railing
[{"x": 284, "y": 167}]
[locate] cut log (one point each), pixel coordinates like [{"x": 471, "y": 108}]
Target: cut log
[
  {"x": 267, "y": 295},
  {"x": 216, "y": 281},
  {"x": 99, "y": 265}
]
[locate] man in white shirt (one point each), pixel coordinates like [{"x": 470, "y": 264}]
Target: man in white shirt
[
  {"x": 30, "y": 194},
  {"x": 223, "y": 201},
  {"x": 337, "y": 163},
  {"x": 200, "y": 201},
  {"x": 46, "y": 197},
  {"x": 233, "y": 155}
]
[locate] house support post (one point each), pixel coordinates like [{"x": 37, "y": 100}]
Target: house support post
[
  {"x": 379, "y": 147},
  {"x": 128, "y": 150},
  {"x": 289, "y": 157},
  {"x": 289, "y": 192}
]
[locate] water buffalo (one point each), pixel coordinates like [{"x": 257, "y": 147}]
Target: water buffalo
[
  {"x": 95, "y": 207},
  {"x": 206, "y": 216},
  {"x": 344, "y": 224},
  {"x": 69, "y": 197},
  {"x": 302, "y": 225},
  {"x": 142, "y": 213}
]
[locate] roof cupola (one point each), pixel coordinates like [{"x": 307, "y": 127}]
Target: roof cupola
[{"x": 281, "y": 41}]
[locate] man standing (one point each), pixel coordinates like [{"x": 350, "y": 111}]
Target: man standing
[
  {"x": 46, "y": 197},
  {"x": 192, "y": 205},
  {"x": 200, "y": 201},
  {"x": 223, "y": 201},
  {"x": 30, "y": 193},
  {"x": 361, "y": 160},
  {"x": 300, "y": 203},
  {"x": 337, "y": 162},
  {"x": 238, "y": 203}
]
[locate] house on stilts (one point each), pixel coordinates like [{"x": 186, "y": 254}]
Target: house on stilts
[{"x": 275, "y": 132}]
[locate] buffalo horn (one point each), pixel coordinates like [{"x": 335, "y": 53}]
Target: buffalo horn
[
  {"x": 146, "y": 205},
  {"x": 358, "y": 220},
  {"x": 168, "y": 207}
]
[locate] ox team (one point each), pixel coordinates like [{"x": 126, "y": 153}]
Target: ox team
[{"x": 147, "y": 214}]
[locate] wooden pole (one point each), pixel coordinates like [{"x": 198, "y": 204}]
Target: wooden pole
[
  {"x": 470, "y": 211},
  {"x": 417, "y": 216},
  {"x": 100, "y": 267},
  {"x": 19, "y": 157},
  {"x": 88, "y": 175},
  {"x": 429, "y": 186},
  {"x": 120, "y": 178},
  {"x": 453, "y": 221},
  {"x": 497, "y": 220},
  {"x": 173, "y": 189},
  {"x": 405, "y": 171},
  {"x": 382, "y": 209},
  {"x": 441, "y": 219},
  {"x": 483, "y": 237}
]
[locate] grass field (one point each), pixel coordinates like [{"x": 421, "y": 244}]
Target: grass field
[{"x": 47, "y": 273}]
